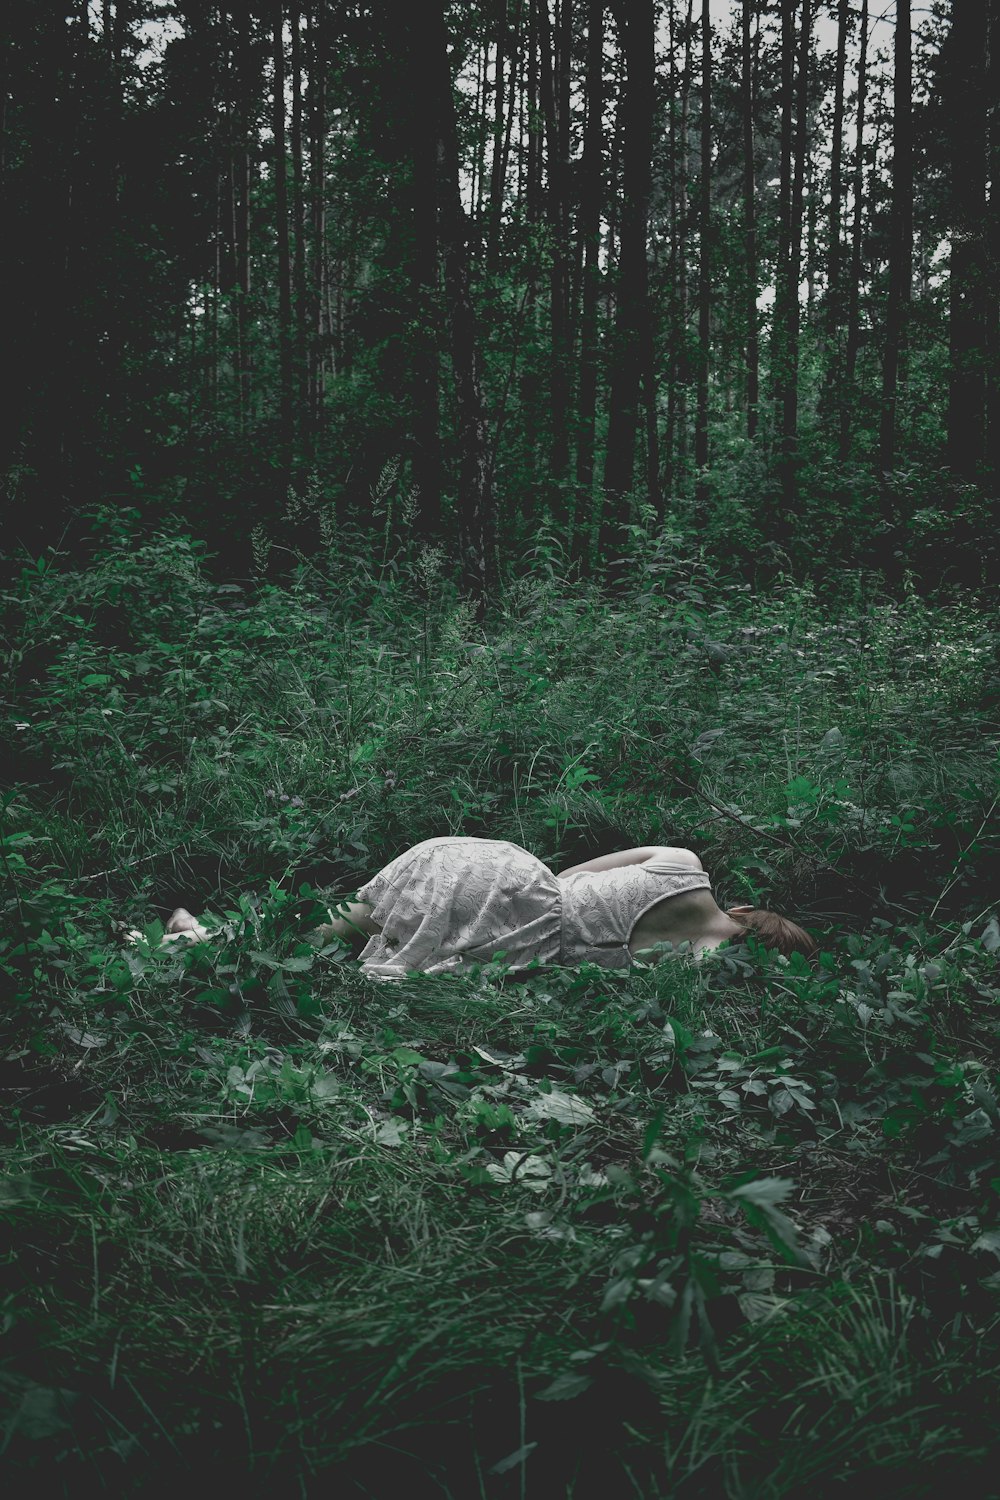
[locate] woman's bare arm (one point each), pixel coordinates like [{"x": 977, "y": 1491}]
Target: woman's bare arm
[
  {"x": 613, "y": 861},
  {"x": 636, "y": 857},
  {"x": 349, "y": 920}
]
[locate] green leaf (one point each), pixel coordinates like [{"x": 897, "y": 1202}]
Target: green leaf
[
  {"x": 565, "y": 1387},
  {"x": 764, "y": 1192},
  {"x": 513, "y": 1459},
  {"x": 407, "y": 1056},
  {"x": 566, "y": 1108}
]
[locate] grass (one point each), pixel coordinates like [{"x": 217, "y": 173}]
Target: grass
[{"x": 726, "y": 1228}]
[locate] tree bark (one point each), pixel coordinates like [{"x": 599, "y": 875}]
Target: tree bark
[
  {"x": 475, "y": 498},
  {"x": 750, "y": 225},
  {"x": 497, "y": 164},
  {"x": 591, "y": 194},
  {"x": 636, "y": 20},
  {"x": 425, "y": 191},
  {"x": 834, "y": 298},
  {"x": 674, "y": 257},
  {"x": 317, "y": 191},
  {"x": 704, "y": 259},
  {"x": 968, "y": 300},
  {"x": 684, "y": 362},
  {"x": 900, "y": 253},
  {"x": 530, "y": 383},
  {"x": 852, "y": 340},
  {"x": 302, "y": 405},
  {"x": 993, "y": 251},
  {"x": 554, "y": 89},
  {"x": 285, "y": 378},
  {"x": 780, "y": 324},
  {"x": 788, "y": 460}
]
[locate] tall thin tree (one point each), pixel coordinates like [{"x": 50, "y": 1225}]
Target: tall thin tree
[
  {"x": 852, "y": 337},
  {"x": 750, "y": 219},
  {"x": 790, "y": 405},
  {"x": 317, "y": 35},
  {"x": 900, "y": 251},
  {"x": 298, "y": 225},
  {"x": 993, "y": 248},
  {"x": 474, "y": 503},
  {"x": 704, "y": 257},
  {"x": 591, "y": 194},
  {"x": 425, "y": 99},
  {"x": 968, "y": 300},
  {"x": 636, "y": 24},
  {"x": 780, "y": 332},
  {"x": 835, "y": 236},
  {"x": 285, "y": 375}
]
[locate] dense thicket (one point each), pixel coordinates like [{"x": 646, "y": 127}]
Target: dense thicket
[{"x": 591, "y": 263}]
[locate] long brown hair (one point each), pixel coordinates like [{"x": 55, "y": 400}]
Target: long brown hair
[{"x": 775, "y": 931}]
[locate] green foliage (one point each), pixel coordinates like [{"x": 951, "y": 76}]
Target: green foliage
[{"x": 685, "y": 1225}]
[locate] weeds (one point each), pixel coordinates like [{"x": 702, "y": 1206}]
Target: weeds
[{"x": 726, "y": 1227}]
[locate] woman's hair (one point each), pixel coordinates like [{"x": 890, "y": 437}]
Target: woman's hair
[{"x": 775, "y": 931}]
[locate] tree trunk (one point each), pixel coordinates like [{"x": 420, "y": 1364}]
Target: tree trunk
[
  {"x": 900, "y": 253},
  {"x": 704, "y": 258},
  {"x": 479, "y": 155},
  {"x": 554, "y": 83},
  {"x": 591, "y": 195},
  {"x": 317, "y": 189},
  {"x": 632, "y": 305},
  {"x": 993, "y": 252},
  {"x": 475, "y": 498},
  {"x": 424, "y": 134},
  {"x": 497, "y": 165},
  {"x": 852, "y": 340},
  {"x": 285, "y": 386},
  {"x": 684, "y": 362},
  {"x": 834, "y": 298},
  {"x": 299, "y": 224},
  {"x": 244, "y": 117},
  {"x": 674, "y": 259},
  {"x": 790, "y": 394},
  {"x": 750, "y": 226},
  {"x": 782, "y": 311},
  {"x": 512, "y": 99},
  {"x": 530, "y": 385},
  {"x": 968, "y": 300}
]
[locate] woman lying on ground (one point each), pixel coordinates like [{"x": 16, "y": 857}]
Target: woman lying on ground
[{"x": 450, "y": 902}]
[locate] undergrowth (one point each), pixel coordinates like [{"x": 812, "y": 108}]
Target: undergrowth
[{"x": 715, "y": 1228}]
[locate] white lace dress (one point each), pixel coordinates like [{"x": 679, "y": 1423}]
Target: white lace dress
[{"x": 453, "y": 901}]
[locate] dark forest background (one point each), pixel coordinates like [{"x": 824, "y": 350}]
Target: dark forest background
[
  {"x": 551, "y": 421},
  {"x": 509, "y": 264}
]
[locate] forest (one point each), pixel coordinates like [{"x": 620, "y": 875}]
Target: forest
[{"x": 562, "y": 422}]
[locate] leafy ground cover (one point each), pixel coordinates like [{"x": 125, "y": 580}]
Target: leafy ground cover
[{"x": 717, "y": 1228}]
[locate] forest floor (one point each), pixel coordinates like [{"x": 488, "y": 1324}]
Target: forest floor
[{"x": 716, "y": 1228}]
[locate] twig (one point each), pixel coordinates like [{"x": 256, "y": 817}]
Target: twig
[
  {"x": 775, "y": 838},
  {"x": 961, "y": 855}
]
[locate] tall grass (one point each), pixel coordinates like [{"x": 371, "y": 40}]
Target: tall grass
[{"x": 725, "y": 1228}]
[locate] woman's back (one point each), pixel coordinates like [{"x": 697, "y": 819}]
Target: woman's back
[{"x": 608, "y": 915}]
